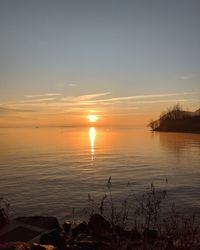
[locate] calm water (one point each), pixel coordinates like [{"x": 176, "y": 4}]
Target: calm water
[{"x": 49, "y": 171}]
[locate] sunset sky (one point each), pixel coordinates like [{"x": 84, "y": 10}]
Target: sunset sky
[{"x": 124, "y": 61}]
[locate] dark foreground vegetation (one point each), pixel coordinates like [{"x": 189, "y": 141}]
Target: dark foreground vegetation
[
  {"x": 140, "y": 224},
  {"x": 177, "y": 120}
]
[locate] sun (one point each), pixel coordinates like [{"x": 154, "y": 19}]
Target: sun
[{"x": 92, "y": 118}]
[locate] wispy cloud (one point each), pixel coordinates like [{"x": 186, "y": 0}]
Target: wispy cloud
[
  {"x": 72, "y": 84},
  {"x": 38, "y": 100},
  {"x": 50, "y": 102},
  {"x": 186, "y": 77},
  {"x": 84, "y": 97},
  {"x": 97, "y": 98},
  {"x": 134, "y": 97},
  {"x": 4, "y": 110},
  {"x": 43, "y": 95},
  {"x": 163, "y": 101}
]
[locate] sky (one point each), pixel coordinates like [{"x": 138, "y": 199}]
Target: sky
[{"x": 123, "y": 60}]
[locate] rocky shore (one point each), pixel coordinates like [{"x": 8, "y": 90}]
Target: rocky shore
[
  {"x": 108, "y": 228},
  {"x": 39, "y": 233},
  {"x": 45, "y": 233}
]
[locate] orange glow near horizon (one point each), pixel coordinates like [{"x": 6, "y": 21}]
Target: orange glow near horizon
[{"x": 92, "y": 118}]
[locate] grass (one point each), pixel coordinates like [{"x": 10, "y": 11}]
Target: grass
[{"x": 147, "y": 213}]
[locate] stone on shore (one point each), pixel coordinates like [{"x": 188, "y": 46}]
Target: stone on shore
[
  {"x": 98, "y": 226},
  {"x": 47, "y": 223},
  {"x": 79, "y": 229},
  {"x": 53, "y": 238},
  {"x": 14, "y": 246},
  {"x": 67, "y": 226}
]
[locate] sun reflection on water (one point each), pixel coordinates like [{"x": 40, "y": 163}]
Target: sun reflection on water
[{"x": 92, "y": 135}]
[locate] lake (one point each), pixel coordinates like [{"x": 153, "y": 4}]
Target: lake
[{"x": 50, "y": 171}]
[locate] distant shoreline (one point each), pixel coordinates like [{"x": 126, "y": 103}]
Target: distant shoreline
[
  {"x": 177, "y": 120},
  {"x": 176, "y": 131}
]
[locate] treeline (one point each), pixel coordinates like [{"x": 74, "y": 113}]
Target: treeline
[{"x": 176, "y": 119}]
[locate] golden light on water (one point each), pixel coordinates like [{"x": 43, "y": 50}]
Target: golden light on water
[
  {"x": 92, "y": 118},
  {"x": 92, "y": 135}
]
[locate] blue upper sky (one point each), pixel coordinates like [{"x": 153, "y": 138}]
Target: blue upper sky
[{"x": 80, "y": 47}]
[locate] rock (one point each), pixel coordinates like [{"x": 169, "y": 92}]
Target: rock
[
  {"x": 53, "y": 238},
  {"x": 36, "y": 246},
  {"x": 3, "y": 218},
  {"x": 150, "y": 235},
  {"x": 18, "y": 233},
  {"x": 79, "y": 229},
  {"x": 98, "y": 225},
  {"x": 67, "y": 226},
  {"x": 22, "y": 247},
  {"x": 14, "y": 246},
  {"x": 44, "y": 222}
]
